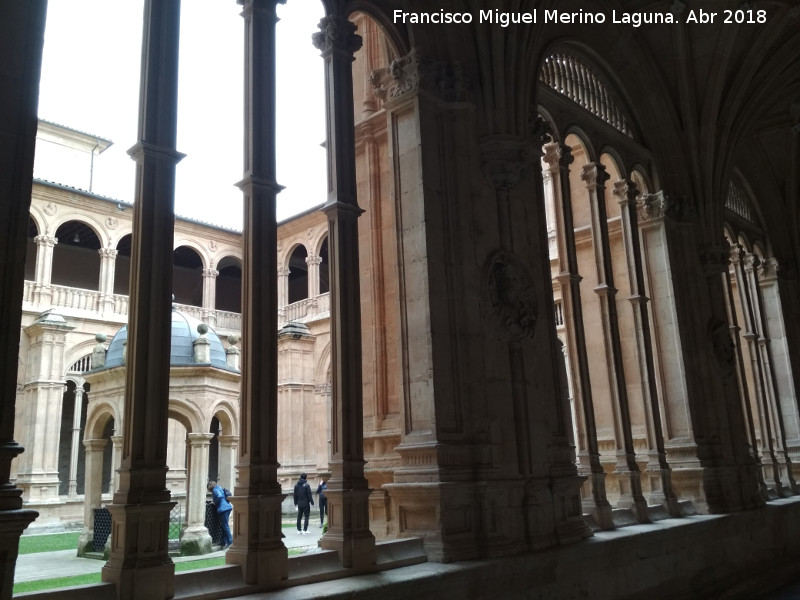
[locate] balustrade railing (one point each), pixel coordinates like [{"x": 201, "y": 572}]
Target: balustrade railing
[{"x": 58, "y": 296}]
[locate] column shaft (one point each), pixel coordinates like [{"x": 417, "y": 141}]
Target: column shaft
[
  {"x": 660, "y": 472},
  {"x": 22, "y": 31},
  {"x": 348, "y": 494},
  {"x": 257, "y": 544},
  {"x": 139, "y": 563},
  {"x": 559, "y": 158},
  {"x": 595, "y": 176}
]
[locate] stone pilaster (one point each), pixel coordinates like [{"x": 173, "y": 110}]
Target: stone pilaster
[
  {"x": 658, "y": 470},
  {"x": 195, "y": 538},
  {"x": 313, "y": 263},
  {"x": 44, "y": 388},
  {"x": 257, "y": 539},
  {"x": 43, "y": 294},
  {"x": 93, "y": 492},
  {"x": 108, "y": 258},
  {"x": 210, "y": 295},
  {"x": 348, "y": 494},
  {"x": 559, "y": 158},
  {"x": 629, "y": 476},
  {"x": 139, "y": 563},
  {"x": 72, "y": 491},
  {"x": 226, "y": 477}
]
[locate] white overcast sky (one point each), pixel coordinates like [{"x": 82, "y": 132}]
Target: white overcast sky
[{"x": 90, "y": 82}]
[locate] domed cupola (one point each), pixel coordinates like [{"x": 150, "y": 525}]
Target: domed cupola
[{"x": 185, "y": 330}]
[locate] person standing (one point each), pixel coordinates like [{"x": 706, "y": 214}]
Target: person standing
[
  {"x": 303, "y": 500},
  {"x": 323, "y": 501},
  {"x": 224, "y": 509}
]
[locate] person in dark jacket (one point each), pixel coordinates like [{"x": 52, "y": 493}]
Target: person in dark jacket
[
  {"x": 303, "y": 500},
  {"x": 224, "y": 509},
  {"x": 323, "y": 501}
]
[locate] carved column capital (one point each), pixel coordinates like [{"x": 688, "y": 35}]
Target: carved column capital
[
  {"x": 313, "y": 260},
  {"x": 283, "y": 271},
  {"x": 595, "y": 175},
  {"x": 108, "y": 252},
  {"x": 751, "y": 262},
  {"x": 210, "y": 272},
  {"x": 558, "y": 156},
  {"x": 46, "y": 240},
  {"x": 337, "y": 34},
  {"x": 769, "y": 269},
  {"x": 414, "y": 73},
  {"x": 626, "y": 192}
]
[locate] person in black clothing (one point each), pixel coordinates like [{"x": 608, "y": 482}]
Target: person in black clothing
[
  {"x": 323, "y": 501},
  {"x": 303, "y": 500}
]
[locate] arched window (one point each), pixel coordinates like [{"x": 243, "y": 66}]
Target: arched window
[
  {"x": 187, "y": 274},
  {"x": 76, "y": 261},
  {"x": 298, "y": 275},
  {"x": 324, "y": 275},
  {"x": 122, "y": 266},
  {"x": 229, "y": 285}
]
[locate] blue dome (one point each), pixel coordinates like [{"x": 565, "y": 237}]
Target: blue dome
[{"x": 184, "y": 333}]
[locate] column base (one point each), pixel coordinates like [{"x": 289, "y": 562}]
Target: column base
[
  {"x": 258, "y": 540},
  {"x": 195, "y": 540},
  {"x": 348, "y": 527}
]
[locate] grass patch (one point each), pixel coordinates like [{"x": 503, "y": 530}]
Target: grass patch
[
  {"x": 203, "y": 563},
  {"x": 29, "y": 544},
  {"x": 59, "y": 582}
]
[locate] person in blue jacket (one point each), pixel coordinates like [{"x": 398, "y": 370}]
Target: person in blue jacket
[{"x": 224, "y": 509}]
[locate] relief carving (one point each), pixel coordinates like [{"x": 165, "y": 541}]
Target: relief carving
[
  {"x": 512, "y": 296},
  {"x": 413, "y": 73},
  {"x": 679, "y": 209},
  {"x": 722, "y": 345}
]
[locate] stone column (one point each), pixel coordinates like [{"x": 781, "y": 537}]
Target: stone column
[
  {"x": 785, "y": 484},
  {"x": 775, "y": 331},
  {"x": 139, "y": 564},
  {"x": 658, "y": 470},
  {"x": 43, "y": 293},
  {"x": 195, "y": 538},
  {"x": 44, "y": 389},
  {"x": 741, "y": 374},
  {"x": 313, "y": 263},
  {"x": 116, "y": 459},
  {"x": 108, "y": 257},
  {"x": 348, "y": 494},
  {"x": 257, "y": 539},
  {"x": 558, "y": 158},
  {"x": 210, "y": 295},
  {"x": 283, "y": 292},
  {"x": 22, "y": 31},
  {"x": 629, "y": 476},
  {"x": 93, "y": 492},
  {"x": 72, "y": 490},
  {"x": 227, "y": 460},
  {"x": 658, "y": 214}
]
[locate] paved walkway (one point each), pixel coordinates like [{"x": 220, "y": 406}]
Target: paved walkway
[{"x": 64, "y": 563}]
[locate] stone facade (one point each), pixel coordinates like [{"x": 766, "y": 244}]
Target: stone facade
[{"x": 562, "y": 298}]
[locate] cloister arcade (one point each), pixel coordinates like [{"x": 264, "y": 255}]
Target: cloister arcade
[{"x": 561, "y": 298}]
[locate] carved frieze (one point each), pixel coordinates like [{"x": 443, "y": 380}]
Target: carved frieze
[
  {"x": 413, "y": 73},
  {"x": 512, "y": 296}
]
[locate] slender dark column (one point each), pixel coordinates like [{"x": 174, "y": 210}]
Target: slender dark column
[
  {"x": 257, "y": 542},
  {"x": 139, "y": 564},
  {"x": 22, "y": 32},
  {"x": 661, "y": 474},
  {"x": 595, "y": 176},
  {"x": 348, "y": 494},
  {"x": 559, "y": 158}
]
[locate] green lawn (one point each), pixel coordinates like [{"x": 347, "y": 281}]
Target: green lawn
[
  {"x": 48, "y": 584},
  {"x": 28, "y": 544}
]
